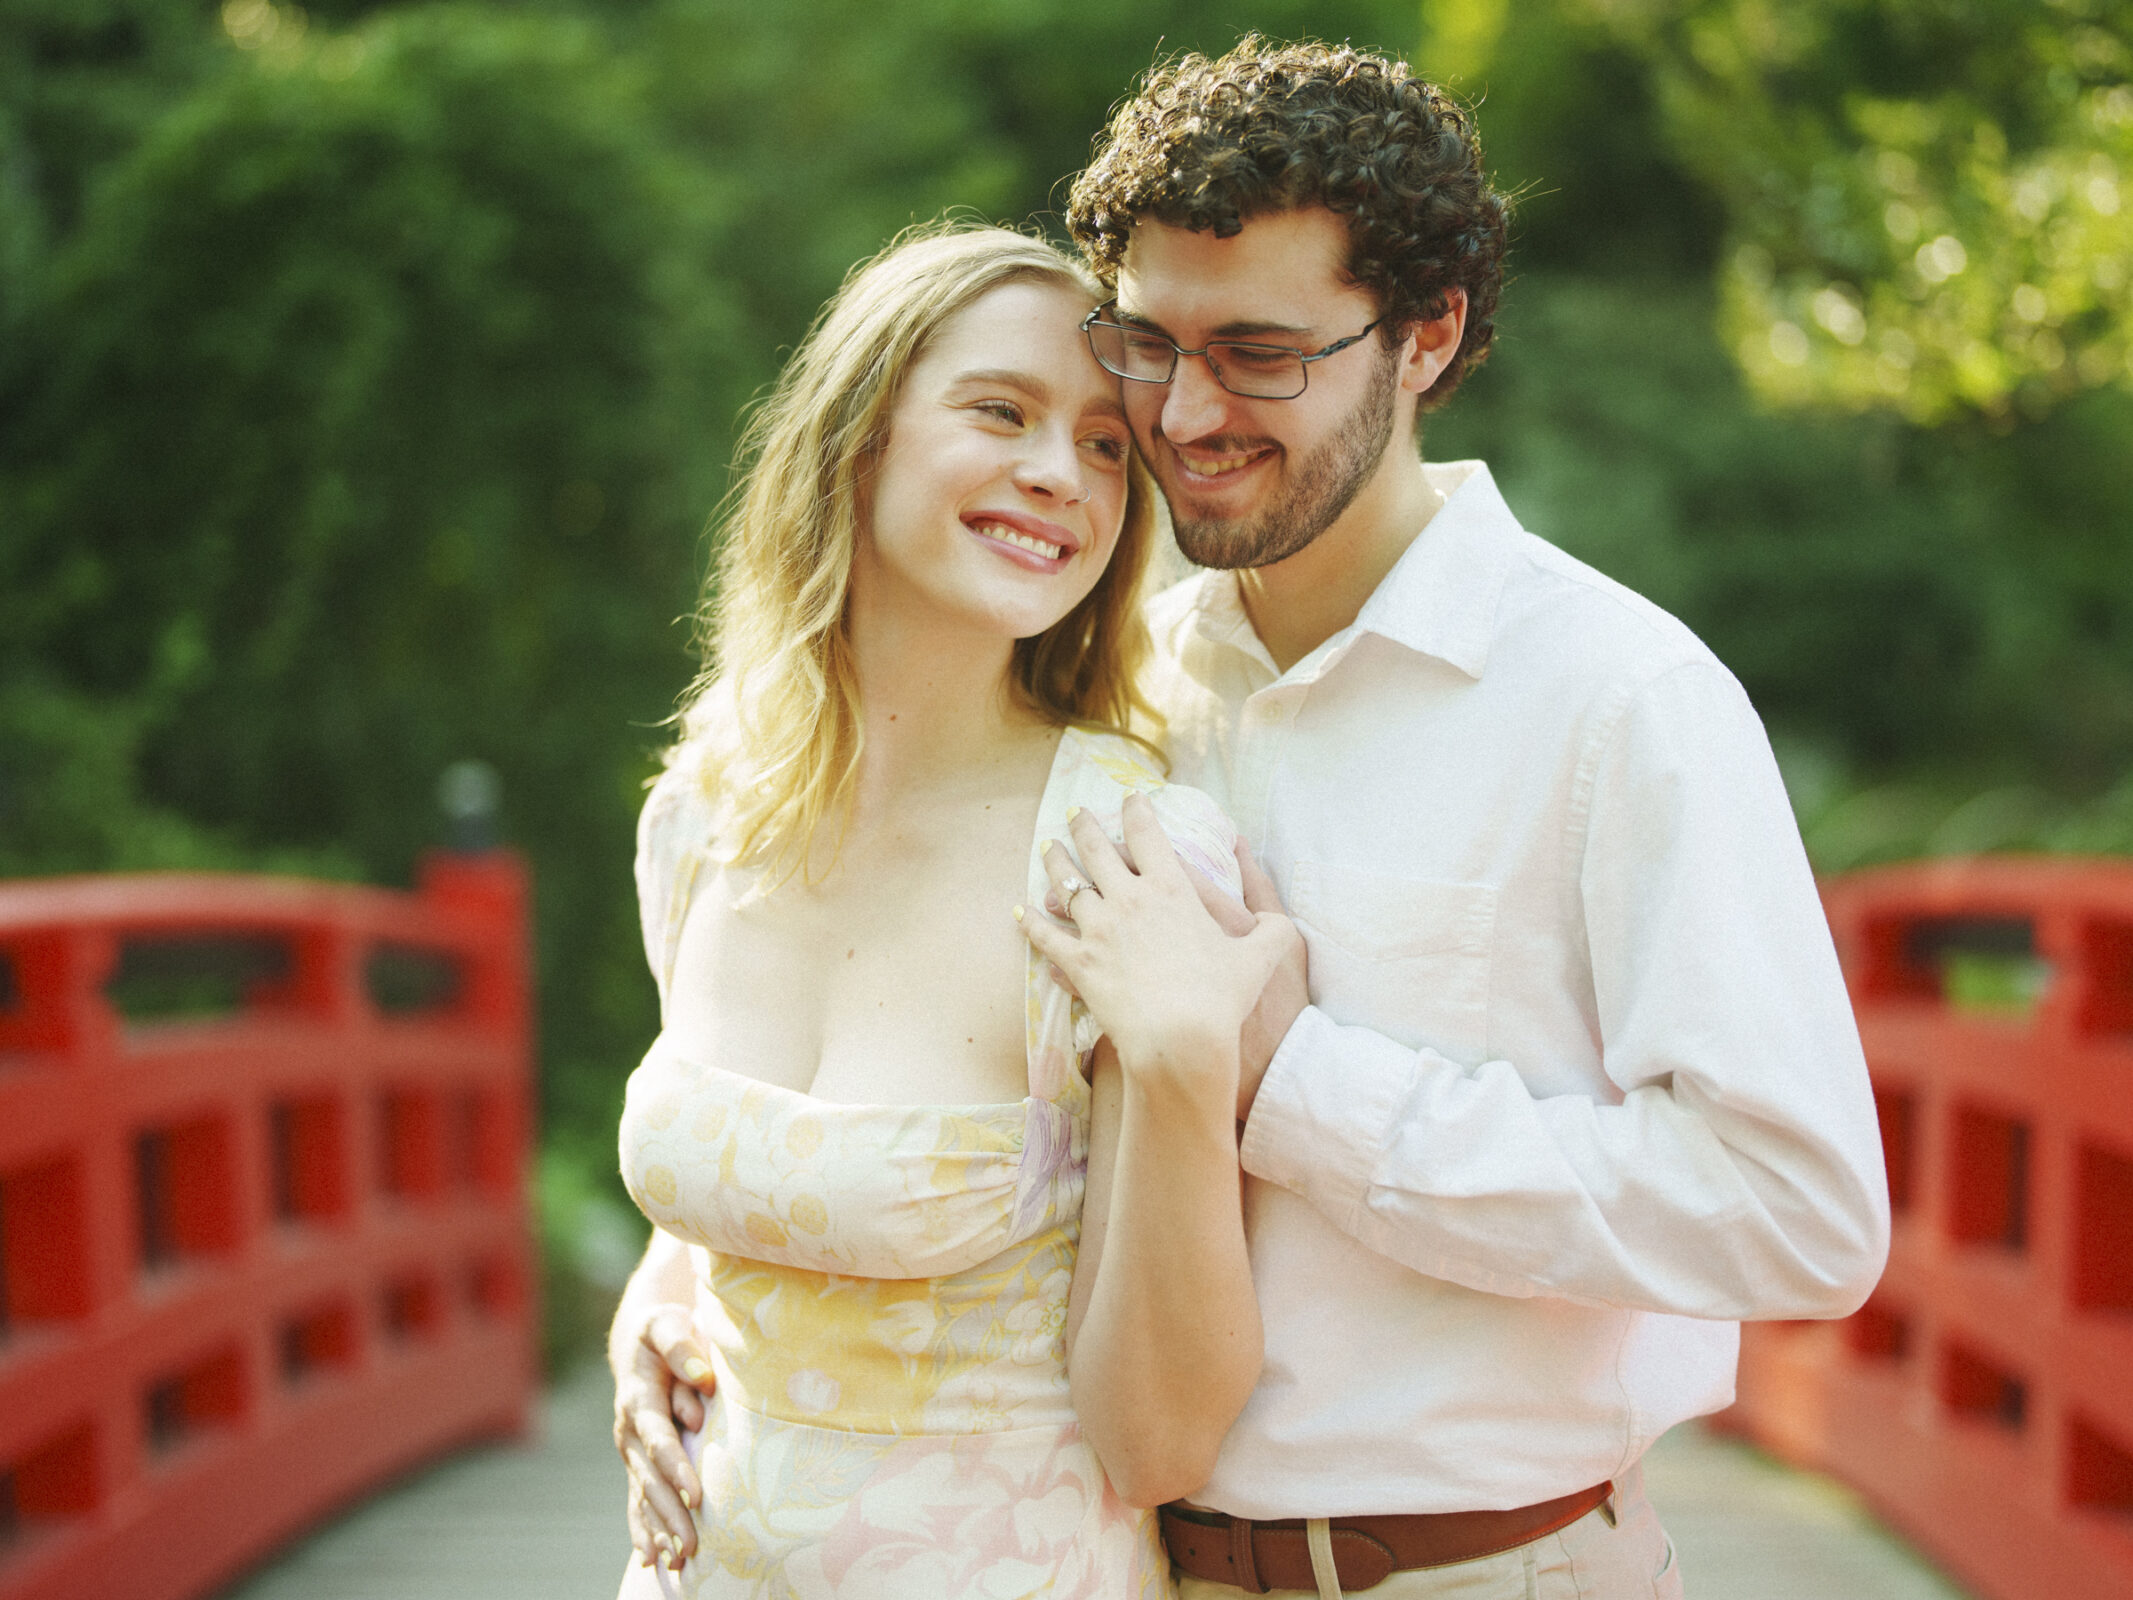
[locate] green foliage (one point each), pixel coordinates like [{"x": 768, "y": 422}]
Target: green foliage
[
  {"x": 365, "y": 437},
  {"x": 1924, "y": 197},
  {"x": 1952, "y": 606},
  {"x": 825, "y": 130},
  {"x": 1570, "y": 129},
  {"x": 590, "y": 1240},
  {"x": 1934, "y": 619},
  {"x": 1922, "y": 597},
  {"x": 383, "y": 372},
  {"x": 367, "y": 374}
]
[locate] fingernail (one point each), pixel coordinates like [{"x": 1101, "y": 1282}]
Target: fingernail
[
  {"x": 696, "y": 1369},
  {"x": 1073, "y": 812},
  {"x": 1018, "y": 913}
]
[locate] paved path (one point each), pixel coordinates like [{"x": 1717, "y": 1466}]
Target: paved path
[
  {"x": 496, "y": 1523},
  {"x": 546, "y": 1524},
  {"x": 1747, "y": 1528}
]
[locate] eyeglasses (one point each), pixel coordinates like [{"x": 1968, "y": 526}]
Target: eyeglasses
[{"x": 1256, "y": 371}]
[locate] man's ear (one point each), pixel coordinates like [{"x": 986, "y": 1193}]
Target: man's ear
[{"x": 1430, "y": 346}]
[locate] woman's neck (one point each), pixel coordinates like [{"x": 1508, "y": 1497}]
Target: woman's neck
[{"x": 935, "y": 709}]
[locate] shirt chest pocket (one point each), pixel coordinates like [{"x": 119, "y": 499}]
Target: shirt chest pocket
[{"x": 1406, "y": 957}]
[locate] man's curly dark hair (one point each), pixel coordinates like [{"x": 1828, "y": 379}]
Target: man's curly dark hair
[{"x": 1208, "y": 145}]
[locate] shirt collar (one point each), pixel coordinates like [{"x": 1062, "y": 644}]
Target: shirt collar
[
  {"x": 1439, "y": 599},
  {"x": 1218, "y": 618}
]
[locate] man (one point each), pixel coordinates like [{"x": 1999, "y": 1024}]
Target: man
[{"x": 1576, "y": 1087}]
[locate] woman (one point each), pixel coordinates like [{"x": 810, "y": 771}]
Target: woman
[{"x": 865, "y": 1133}]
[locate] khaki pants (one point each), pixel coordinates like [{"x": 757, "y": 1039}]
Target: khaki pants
[{"x": 1628, "y": 1558}]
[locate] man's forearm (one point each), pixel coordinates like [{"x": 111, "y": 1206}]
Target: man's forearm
[{"x": 1692, "y": 1197}]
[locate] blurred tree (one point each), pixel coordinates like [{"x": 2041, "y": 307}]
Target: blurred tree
[
  {"x": 1941, "y": 608},
  {"x": 1570, "y": 127},
  {"x": 1925, "y": 199},
  {"x": 383, "y": 375},
  {"x": 370, "y": 437},
  {"x": 366, "y": 372},
  {"x": 1901, "y": 600},
  {"x": 80, "y": 80},
  {"x": 826, "y": 129}
]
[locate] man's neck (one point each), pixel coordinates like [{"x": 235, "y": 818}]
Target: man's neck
[{"x": 1299, "y": 603}]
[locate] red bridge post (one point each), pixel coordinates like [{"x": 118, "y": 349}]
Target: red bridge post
[
  {"x": 1982, "y": 1399},
  {"x": 264, "y": 1238}
]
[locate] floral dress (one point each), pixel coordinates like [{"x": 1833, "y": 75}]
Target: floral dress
[{"x": 883, "y": 1288}]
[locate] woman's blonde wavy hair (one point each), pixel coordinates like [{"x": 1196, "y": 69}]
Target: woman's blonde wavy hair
[{"x": 773, "y": 719}]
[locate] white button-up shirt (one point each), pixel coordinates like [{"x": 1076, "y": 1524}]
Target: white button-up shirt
[{"x": 1579, "y": 1085}]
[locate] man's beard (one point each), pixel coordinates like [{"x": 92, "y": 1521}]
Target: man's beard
[{"x": 1324, "y": 486}]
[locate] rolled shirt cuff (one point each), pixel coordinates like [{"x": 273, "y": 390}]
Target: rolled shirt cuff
[{"x": 1318, "y": 1125}]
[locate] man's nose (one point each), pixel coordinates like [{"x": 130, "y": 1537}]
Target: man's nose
[{"x": 1194, "y": 404}]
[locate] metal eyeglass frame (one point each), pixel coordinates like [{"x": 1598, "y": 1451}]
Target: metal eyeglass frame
[{"x": 1095, "y": 318}]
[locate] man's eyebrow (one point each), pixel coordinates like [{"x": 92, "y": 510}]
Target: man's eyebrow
[{"x": 1246, "y": 328}]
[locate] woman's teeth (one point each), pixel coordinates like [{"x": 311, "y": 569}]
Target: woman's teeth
[{"x": 1021, "y": 541}]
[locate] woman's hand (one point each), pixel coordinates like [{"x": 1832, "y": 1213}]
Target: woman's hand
[
  {"x": 1164, "y": 1338},
  {"x": 661, "y": 1378},
  {"x": 1171, "y": 988}
]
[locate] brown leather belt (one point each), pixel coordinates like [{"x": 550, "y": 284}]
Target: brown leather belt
[{"x": 1258, "y": 1556}]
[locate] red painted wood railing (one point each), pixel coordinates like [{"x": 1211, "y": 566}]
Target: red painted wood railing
[
  {"x": 263, "y": 1229},
  {"x": 1983, "y": 1398}
]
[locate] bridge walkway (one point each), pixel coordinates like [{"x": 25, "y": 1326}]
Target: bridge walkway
[{"x": 545, "y": 1523}]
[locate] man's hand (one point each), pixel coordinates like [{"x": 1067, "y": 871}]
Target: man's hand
[{"x": 661, "y": 1378}]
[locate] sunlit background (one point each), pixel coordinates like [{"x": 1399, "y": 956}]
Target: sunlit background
[{"x": 368, "y": 374}]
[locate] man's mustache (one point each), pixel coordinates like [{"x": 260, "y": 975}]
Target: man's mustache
[{"x": 1221, "y": 444}]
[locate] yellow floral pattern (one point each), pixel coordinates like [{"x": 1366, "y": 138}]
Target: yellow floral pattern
[{"x": 884, "y": 1288}]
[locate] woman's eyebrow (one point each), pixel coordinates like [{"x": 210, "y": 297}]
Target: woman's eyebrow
[
  {"x": 1028, "y": 382},
  {"x": 1035, "y": 387}
]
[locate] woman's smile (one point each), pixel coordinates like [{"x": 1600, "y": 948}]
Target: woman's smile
[{"x": 1028, "y": 541}]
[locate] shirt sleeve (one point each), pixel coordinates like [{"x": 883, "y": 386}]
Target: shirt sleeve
[{"x": 1737, "y": 1174}]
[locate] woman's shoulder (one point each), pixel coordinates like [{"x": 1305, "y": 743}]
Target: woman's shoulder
[
  {"x": 1100, "y": 758},
  {"x": 1106, "y": 767},
  {"x": 673, "y": 830},
  {"x": 677, "y": 814}
]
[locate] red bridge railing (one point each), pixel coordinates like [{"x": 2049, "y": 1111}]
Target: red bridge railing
[
  {"x": 263, "y": 1234},
  {"x": 1983, "y": 1398}
]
